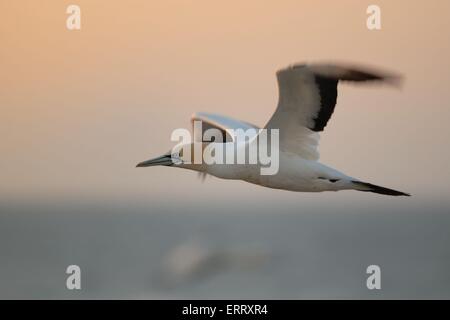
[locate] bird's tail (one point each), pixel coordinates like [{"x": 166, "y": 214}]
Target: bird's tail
[{"x": 368, "y": 187}]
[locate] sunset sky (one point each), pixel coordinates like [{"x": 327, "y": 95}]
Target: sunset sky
[{"x": 79, "y": 109}]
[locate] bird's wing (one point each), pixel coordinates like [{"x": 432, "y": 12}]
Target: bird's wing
[
  {"x": 307, "y": 97},
  {"x": 222, "y": 123}
]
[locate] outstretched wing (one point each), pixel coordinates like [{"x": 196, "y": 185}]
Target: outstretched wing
[
  {"x": 222, "y": 123},
  {"x": 307, "y": 97}
]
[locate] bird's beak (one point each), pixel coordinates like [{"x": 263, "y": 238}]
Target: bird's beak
[{"x": 165, "y": 160}]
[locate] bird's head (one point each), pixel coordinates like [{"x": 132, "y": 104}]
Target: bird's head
[
  {"x": 167, "y": 159},
  {"x": 174, "y": 157}
]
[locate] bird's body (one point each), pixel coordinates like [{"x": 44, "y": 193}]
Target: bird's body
[
  {"x": 295, "y": 173},
  {"x": 298, "y": 174},
  {"x": 307, "y": 97}
]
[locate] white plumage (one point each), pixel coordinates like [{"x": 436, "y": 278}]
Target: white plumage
[{"x": 307, "y": 98}]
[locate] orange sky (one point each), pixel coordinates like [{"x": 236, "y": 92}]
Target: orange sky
[{"x": 78, "y": 109}]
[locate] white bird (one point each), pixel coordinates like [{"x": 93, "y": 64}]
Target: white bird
[
  {"x": 194, "y": 259},
  {"x": 307, "y": 97}
]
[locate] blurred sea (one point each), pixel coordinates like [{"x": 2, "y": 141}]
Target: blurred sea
[{"x": 236, "y": 251}]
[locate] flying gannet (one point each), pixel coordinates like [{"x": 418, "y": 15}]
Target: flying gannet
[{"x": 307, "y": 98}]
